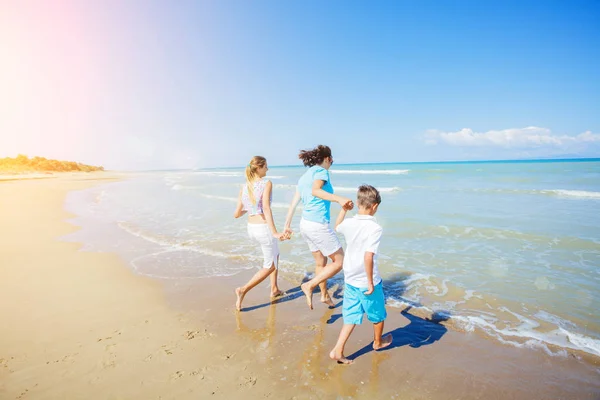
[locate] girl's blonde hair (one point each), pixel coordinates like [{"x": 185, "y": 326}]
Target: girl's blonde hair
[{"x": 251, "y": 174}]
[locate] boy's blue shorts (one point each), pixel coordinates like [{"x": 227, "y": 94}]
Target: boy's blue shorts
[{"x": 356, "y": 303}]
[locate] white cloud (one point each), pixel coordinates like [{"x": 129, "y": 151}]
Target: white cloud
[{"x": 530, "y": 137}]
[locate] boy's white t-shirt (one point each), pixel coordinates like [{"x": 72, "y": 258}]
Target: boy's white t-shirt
[{"x": 362, "y": 234}]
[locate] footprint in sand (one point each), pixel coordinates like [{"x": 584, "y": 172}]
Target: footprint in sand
[
  {"x": 197, "y": 373},
  {"x": 249, "y": 381},
  {"x": 176, "y": 375},
  {"x": 117, "y": 332},
  {"x": 68, "y": 357},
  {"x": 189, "y": 335}
]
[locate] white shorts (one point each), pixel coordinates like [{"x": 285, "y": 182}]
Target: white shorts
[
  {"x": 320, "y": 237},
  {"x": 261, "y": 234}
]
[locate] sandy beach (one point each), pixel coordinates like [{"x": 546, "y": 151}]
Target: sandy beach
[{"x": 82, "y": 325}]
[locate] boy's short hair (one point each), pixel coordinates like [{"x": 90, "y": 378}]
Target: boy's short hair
[{"x": 368, "y": 196}]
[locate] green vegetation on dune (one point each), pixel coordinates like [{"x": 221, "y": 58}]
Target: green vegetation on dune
[{"x": 23, "y": 163}]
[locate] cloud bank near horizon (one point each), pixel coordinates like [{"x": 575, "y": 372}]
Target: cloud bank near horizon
[{"x": 530, "y": 137}]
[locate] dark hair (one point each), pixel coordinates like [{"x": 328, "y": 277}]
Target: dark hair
[
  {"x": 368, "y": 196},
  {"x": 314, "y": 156}
]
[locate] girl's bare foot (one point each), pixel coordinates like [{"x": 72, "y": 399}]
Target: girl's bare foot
[
  {"x": 308, "y": 293},
  {"x": 240, "y": 296},
  {"x": 277, "y": 293},
  {"x": 327, "y": 300},
  {"x": 339, "y": 357},
  {"x": 385, "y": 342}
]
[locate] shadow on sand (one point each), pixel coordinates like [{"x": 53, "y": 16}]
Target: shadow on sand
[
  {"x": 419, "y": 332},
  {"x": 296, "y": 292}
]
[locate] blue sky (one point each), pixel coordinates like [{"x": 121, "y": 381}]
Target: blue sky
[{"x": 154, "y": 85}]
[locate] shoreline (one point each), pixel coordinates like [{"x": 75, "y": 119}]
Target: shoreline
[{"x": 83, "y": 325}]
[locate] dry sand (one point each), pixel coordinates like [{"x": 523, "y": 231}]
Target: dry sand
[{"x": 81, "y": 325}]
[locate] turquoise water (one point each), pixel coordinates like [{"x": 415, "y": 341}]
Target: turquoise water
[{"x": 511, "y": 249}]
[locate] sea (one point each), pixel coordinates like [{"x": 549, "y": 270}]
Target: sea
[{"x": 508, "y": 249}]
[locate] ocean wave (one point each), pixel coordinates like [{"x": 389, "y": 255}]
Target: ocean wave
[
  {"x": 219, "y": 173},
  {"x": 354, "y": 189},
  {"x": 100, "y": 197},
  {"x": 171, "y": 242},
  {"x": 573, "y": 194},
  {"x": 187, "y": 265},
  {"x": 177, "y": 187},
  {"x": 215, "y": 197},
  {"x": 342, "y": 188},
  {"x": 234, "y": 200},
  {"x": 372, "y": 171},
  {"x": 461, "y": 232},
  {"x": 284, "y": 186},
  {"x": 525, "y": 335},
  {"x": 578, "y": 194}
]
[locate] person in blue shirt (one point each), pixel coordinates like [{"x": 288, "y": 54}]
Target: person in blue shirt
[{"x": 316, "y": 192}]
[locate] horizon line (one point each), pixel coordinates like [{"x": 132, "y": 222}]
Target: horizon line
[{"x": 518, "y": 160}]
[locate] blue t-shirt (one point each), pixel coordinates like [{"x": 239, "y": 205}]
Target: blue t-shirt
[{"x": 315, "y": 209}]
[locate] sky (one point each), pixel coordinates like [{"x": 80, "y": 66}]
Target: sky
[{"x": 146, "y": 85}]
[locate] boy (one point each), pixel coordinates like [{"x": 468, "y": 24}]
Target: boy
[{"x": 363, "y": 291}]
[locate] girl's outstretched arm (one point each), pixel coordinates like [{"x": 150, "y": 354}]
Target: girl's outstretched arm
[
  {"x": 239, "y": 208},
  {"x": 266, "y": 202},
  {"x": 291, "y": 211}
]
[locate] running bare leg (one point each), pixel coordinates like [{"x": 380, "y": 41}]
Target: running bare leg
[
  {"x": 337, "y": 353},
  {"x": 255, "y": 280},
  {"x": 378, "y": 341},
  {"x": 274, "y": 287},
  {"x": 327, "y": 272}
]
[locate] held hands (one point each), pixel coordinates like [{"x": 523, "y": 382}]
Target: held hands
[
  {"x": 285, "y": 235},
  {"x": 279, "y": 236},
  {"x": 369, "y": 290},
  {"x": 346, "y": 203}
]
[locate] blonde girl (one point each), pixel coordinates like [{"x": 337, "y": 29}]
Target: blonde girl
[{"x": 255, "y": 200}]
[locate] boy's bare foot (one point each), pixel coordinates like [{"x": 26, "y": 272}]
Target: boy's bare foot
[
  {"x": 308, "y": 293},
  {"x": 277, "y": 293},
  {"x": 385, "y": 342},
  {"x": 240, "y": 296},
  {"x": 339, "y": 358},
  {"x": 327, "y": 300}
]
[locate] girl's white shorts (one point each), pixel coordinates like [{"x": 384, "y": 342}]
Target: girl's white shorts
[{"x": 261, "y": 234}]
